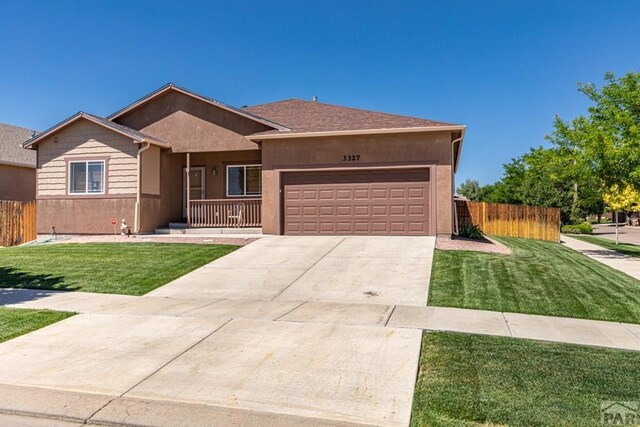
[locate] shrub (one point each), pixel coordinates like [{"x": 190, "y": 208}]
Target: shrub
[
  {"x": 584, "y": 228},
  {"x": 471, "y": 231}
]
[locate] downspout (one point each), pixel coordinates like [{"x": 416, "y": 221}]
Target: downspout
[
  {"x": 136, "y": 227},
  {"x": 456, "y": 231}
]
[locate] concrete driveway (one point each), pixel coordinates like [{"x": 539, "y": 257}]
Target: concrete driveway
[
  {"x": 371, "y": 270},
  {"x": 274, "y": 334}
]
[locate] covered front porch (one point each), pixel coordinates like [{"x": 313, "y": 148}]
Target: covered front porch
[{"x": 225, "y": 189}]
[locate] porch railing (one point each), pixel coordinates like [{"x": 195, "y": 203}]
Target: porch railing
[{"x": 226, "y": 213}]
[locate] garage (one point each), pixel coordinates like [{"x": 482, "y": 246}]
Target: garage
[{"x": 358, "y": 202}]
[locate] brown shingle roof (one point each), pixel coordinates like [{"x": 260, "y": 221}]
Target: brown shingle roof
[
  {"x": 11, "y": 151},
  {"x": 311, "y": 116}
]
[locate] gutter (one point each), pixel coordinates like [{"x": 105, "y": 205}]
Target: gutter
[
  {"x": 258, "y": 137},
  {"x": 17, "y": 164},
  {"x": 455, "y": 230},
  {"x": 136, "y": 227}
]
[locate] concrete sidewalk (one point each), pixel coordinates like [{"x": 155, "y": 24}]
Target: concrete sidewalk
[
  {"x": 616, "y": 260},
  {"x": 527, "y": 326},
  {"x": 545, "y": 328}
]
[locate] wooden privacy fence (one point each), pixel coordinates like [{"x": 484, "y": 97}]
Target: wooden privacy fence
[
  {"x": 499, "y": 219},
  {"x": 17, "y": 222}
]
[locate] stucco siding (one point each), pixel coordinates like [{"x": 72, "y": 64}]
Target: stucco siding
[
  {"x": 150, "y": 183},
  {"x": 433, "y": 148},
  {"x": 83, "y": 216},
  {"x": 85, "y": 140},
  {"x": 191, "y": 125},
  {"x": 17, "y": 183}
]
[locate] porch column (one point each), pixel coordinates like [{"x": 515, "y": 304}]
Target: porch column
[{"x": 188, "y": 190}]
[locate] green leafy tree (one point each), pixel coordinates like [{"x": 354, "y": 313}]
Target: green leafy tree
[
  {"x": 604, "y": 146},
  {"x": 470, "y": 189}
]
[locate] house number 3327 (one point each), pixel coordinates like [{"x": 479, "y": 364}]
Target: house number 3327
[{"x": 351, "y": 158}]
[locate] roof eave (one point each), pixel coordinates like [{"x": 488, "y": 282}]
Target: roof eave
[
  {"x": 259, "y": 137},
  {"x": 459, "y": 153},
  {"x": 81, "y": 115},
  {"x": 17, "y": 164}
]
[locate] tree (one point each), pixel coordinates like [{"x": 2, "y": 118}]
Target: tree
[
  {"x": 470, "y": 189},
  {"x": 625, "y": 200},
  {"x": 605, "y": 144}
]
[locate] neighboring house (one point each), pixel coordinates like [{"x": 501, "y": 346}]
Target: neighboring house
[
  {"x": 291, "y": 167},
  {"x": 17, "y": 165}
]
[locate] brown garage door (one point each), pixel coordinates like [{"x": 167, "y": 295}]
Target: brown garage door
[{"x": 359, "y": 202}]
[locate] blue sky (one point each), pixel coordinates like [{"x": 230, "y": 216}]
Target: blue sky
[{"x": 504, "y": 68}]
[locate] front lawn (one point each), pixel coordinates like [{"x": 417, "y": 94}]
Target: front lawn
[
  {"x": 19, "y": 321},
  {"x": 471, "y": 380},
  {"x": 624, "y": 248},
  {"x": 113, "y": 268},
  {"x": 538, "y": 278}
]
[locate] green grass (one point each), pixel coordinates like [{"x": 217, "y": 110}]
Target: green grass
[
  {"x": 17, "y": 321},
  {"x": 114, "y": 268},
  {"x": 472, "y": 380},
  {"x": 538, "y": 278},
  {"x": 625, "y": 248}
]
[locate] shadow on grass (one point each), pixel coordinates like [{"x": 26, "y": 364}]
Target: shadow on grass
[{"x": 17, "y": 286}]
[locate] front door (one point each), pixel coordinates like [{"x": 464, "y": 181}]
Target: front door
[{"x": 197, "y": 182}]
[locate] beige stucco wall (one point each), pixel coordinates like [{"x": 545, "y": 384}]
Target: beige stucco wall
[
  {"x": 85, "y": 140},
  {"x": 17, "y": 183},
  {"x": 192, "y": 125},
  {"x": 150, "y": 165},
  {"x": 83, "y": 216},
  {"x": 432, "y": 148}
]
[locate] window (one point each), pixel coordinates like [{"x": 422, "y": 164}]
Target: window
[
  {"x": 86, "y": 177},
  {"x": 244, "y": 180}
]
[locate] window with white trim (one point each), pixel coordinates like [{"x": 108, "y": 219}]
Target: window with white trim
[
  {"x": 86, "y": 177},
  {"x": 244, "y": 180}
]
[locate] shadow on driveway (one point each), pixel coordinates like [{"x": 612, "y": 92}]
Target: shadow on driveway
[{"x": 17, "y": 286}]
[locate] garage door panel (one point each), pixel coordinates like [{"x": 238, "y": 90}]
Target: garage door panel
[
  {"x": 396, "y": 210},
  {"x": 416, "y": 193},
  {"x": 309, "y": 211},
  {"x": 292, "y": 194},
  {"x": 362, "y": 193},
  {"x": 362, "y": 210},
  {"x": 361, "y": 227},
  {"x": 343, "y": 227},
  {"x": 416, "y": 210},
  {"x": 380, "y": 210},
  {"x": 327, "y": 211},
  {"x": 310, "y": 194},
  {"x": 398, "y": 193},
  {"x": 379, "y": 193},
  {"x": 398, "y": 227},
  {"x": 326, "y": 195},
  {"x": 417, "y": 227},
  {"x": 328, "y": 227},
  {"x": 358, "y": 202},
  {"x": 342, "y": 211},
  {"x": 380, "y": 227}
]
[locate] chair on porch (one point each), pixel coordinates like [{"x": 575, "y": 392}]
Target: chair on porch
[{"x": 236, "y": 214}]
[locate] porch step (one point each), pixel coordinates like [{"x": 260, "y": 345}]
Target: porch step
[{"x": 183, "y": 230}]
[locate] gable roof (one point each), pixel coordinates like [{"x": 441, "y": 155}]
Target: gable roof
[
  {"x": 11, "y": 151},
  {"x": 309, "y": 117},
  {"x": 136, "y": 135},
  {"x": 206, "y": 99}
]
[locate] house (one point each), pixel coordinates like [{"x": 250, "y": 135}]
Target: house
[
  {"x": 291, "y": 167},
  {"x": 17, "y": 165}
]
